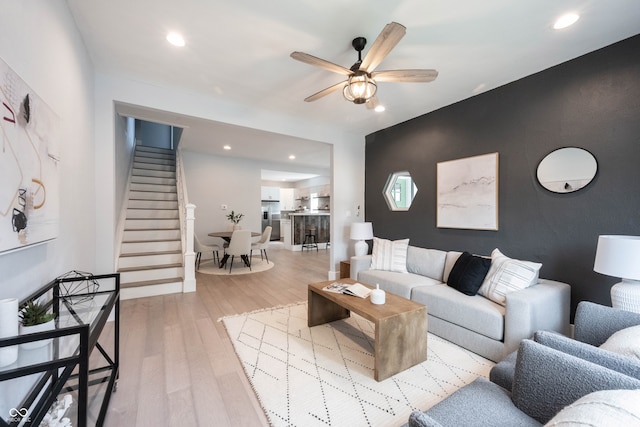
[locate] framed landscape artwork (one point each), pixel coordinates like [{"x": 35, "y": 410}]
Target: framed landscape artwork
[
  {"x": 467, "y": 193},
  {"x": 29, "y": 157}
]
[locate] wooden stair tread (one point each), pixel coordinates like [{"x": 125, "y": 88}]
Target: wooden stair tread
[
  {"x": 155, "y": 209},
  {"x": 132, "y": 254},
  {"x": 151, "y": 282},
  {"x": 152, "y": 219},
  {"x": 151, "y": 241},
  {"x": 148, "y": 267},
  {"x": 159, "y": 230}
]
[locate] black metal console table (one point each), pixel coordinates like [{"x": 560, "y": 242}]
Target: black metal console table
[{"x": 65, "y": 363}]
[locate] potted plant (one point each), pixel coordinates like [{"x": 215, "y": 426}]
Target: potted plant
[
  {"x": 235, "y": 219},
  {"x": 34, "y": 317}
]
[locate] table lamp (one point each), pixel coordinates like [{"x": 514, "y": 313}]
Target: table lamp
[
  {"x": 619, "y": 256},
  {"x": 361, "y": 231}
]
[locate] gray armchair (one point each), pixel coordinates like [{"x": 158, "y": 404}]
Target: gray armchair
[
  {"x": 594, "y": 324},
  {"x": 545, "y": 381}
]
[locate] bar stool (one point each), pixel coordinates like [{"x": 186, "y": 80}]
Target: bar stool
[{"x": 310, "y": 238}]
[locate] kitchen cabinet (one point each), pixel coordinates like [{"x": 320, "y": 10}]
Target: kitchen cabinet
[
  {"x": 270, "y": 193},
  {"x": 287, "y": 202}
]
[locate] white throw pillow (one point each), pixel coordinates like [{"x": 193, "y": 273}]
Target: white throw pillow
[
  {"x": 449, "y": 262},
  {"x": 601, "y": 408},
  {"x": 507, "y": 275},
  {"x": 625, "y": 342},
  {"x": 389, "y": 255}
]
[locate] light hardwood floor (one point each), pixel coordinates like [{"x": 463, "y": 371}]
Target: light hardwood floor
[{"x": 178, "y": 367}]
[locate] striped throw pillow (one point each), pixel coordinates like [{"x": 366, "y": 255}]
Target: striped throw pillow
[
  {"x": 507, "y": 275},
  {"x": 389, "y": 255}
]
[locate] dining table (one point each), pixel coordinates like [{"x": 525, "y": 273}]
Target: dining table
[{"x": 226, "y": 236}]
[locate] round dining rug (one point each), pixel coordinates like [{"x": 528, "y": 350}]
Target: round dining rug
[{"x": 257, "y": 265}]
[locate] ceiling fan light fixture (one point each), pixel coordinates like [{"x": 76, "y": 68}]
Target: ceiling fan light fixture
[
  {"x": 566, "y": 20},
  {"x": 359, "y": 88},
  {"x": 176, "y": 39}
]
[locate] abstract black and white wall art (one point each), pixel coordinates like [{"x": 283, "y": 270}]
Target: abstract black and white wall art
[
  {"x": 29, "y": 162},
  {"x": 468, "y": 193}
]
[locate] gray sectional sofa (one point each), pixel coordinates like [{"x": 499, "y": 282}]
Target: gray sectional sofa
[
  {"x": 593, "y": 379},
  {"x": 549, "y": 387},
  {"x": 473, "y": 322}
]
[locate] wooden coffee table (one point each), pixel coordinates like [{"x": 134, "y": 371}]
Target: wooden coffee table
[{"x": 400, "y": 325}]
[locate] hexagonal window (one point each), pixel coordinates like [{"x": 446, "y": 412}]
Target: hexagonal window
[{"x": 399, "y": 191}]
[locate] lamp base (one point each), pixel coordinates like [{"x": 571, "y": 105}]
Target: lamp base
[
  {"x": 361, "y": 248},
  {"x": 626, "y": 295}
]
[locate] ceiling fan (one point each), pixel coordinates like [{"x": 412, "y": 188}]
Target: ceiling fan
[{"x": 361, "y": 86}]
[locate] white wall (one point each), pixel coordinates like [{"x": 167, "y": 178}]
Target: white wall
[
  {"x": 123, "y": 147},
  {"x": 347, "y": 190},
  {"x": 348, "y": 151},
  {"x": 213, "y": 181},
  {"x": 39, "y": 41}
]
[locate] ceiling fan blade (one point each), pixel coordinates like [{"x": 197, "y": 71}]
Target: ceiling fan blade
[
  {"x": 405, "y": 75},
  {"x": 388, "y": 38},
  {"x": 325, "y": 92},
  {"x": 312, "y": 60}
]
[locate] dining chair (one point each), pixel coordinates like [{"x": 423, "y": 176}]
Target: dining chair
[
  {"x": 262, "y": 244},
  {"x": 240, "y": 245},
  {"x": 198, "y": 248}
]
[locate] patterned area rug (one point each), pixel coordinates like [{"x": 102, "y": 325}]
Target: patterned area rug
[{"x": 323, "y": 376}]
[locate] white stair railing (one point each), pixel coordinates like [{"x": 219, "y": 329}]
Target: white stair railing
[{"x": 187, "y": 218}]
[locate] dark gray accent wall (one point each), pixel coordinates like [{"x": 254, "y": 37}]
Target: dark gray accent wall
[{"x": 591, "y": 102}]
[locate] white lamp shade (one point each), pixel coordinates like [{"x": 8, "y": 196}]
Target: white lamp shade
[
  {"x": 618, "y": 256},
  {"x": 361, "y": 231}
]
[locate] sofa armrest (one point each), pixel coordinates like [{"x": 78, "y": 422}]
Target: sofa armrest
[
  {"x": 614, "y": 361},
  {"x": 544, "y": 306},
  {"x": 546, "y": 380},
  {"x": 358, "y": 264},
  {"x": 595, "y": 323}
]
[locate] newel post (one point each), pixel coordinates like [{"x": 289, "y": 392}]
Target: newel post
[{"x": 189, "y": 284}]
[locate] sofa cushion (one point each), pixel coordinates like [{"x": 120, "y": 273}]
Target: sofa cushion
[
  {"x": 468, "y": 273},
  {"x": 478, "y": 404},
  {"x": 396, "y": 283},
  {"x": 547, "y": 380},
  {"x": 389, "y": 255},
  {"x": 420, "y": 419},
  {"x": 475, "y": 313},
  {"x": 601, "y": 408},
  {"x": 426, "y": 262},
  {"x": 625, "y": 342},
  {"x": 507, "y": 275}
]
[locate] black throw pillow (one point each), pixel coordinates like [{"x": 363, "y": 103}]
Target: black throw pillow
[{"x": 468, "y": 273}]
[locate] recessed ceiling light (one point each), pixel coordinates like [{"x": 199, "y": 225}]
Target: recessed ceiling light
[
  {"x": 292, "y": 157},
  {"x": 175, "y": 39},
  {"x": 227, "y": 147},
  {"x": 566, "y": 21}
]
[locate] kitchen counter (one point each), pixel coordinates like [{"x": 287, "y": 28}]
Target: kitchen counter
[
  {"x": 299, "y": 223},
  {"x": 310, "y": 213}
]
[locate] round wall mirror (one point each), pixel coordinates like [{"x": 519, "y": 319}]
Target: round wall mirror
[
  {"x": 567, "y": 169},
  {"x": 399, "y": 191}
]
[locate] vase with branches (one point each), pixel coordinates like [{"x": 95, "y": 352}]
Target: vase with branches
[{"x": 235, "y": 218}]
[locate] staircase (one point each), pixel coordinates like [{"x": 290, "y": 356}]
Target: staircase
[{"x": 150, "y": 261}]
